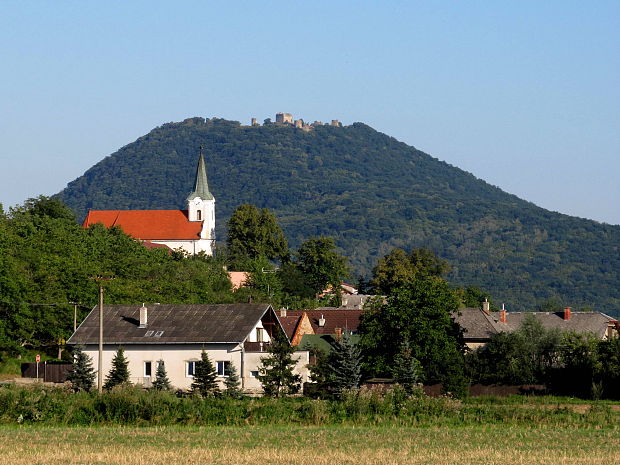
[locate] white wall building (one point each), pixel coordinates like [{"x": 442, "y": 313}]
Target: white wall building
[
  {"x": 237, "y": 334},
  {"x": 191, "y": 230}
]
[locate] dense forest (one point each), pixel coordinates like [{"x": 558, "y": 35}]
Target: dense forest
[{"x": 371, "y": 193}]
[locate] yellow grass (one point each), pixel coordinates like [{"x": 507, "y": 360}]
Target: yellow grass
[{"x": 307, "y": 445}]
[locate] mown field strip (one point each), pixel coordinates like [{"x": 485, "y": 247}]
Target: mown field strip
[{"x": 308, "y": 445}]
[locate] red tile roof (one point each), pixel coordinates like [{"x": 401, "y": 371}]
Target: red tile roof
[
  {"x": 148, "y": 224},
  {"x": 348, "y": 319}
]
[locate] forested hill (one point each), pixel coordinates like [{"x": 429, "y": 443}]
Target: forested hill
[{"x": 371, "y": 193}]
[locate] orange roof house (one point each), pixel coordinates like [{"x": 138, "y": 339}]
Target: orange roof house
[
  {"x": 326, "y": 320},
  {"x": 191, "y": 230}
]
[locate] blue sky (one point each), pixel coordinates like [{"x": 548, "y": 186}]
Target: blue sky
[{"x": 525, "y": 94}]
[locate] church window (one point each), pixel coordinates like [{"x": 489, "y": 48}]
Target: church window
[{"x": 199, "y": 215}]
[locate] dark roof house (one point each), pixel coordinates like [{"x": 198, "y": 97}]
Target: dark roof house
[
  {"x": 175, "y": 324},
  {"x": 480, "y": 324}
]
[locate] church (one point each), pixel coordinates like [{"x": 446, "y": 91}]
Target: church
[{"x": 191, "y": 230}]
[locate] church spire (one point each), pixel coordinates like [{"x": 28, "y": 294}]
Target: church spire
[{"x": 201, "y": 186}]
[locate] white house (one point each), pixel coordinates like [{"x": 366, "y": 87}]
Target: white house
[
  {"x": 191, "y": 230},
  {"x": 237, "y": 334}
]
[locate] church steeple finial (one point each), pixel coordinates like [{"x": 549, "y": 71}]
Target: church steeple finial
[{"x": 201, "y": 186}]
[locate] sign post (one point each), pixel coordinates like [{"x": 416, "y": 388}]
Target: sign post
[{"x": 38, "y": 359}]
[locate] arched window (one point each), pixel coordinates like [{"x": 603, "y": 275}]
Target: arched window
[{"x": 199, "y": 215}]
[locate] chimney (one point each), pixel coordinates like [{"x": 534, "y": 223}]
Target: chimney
[
  {"x": 567, "y": 311},
  {"x": 143, "y": 317},
  {"x": 338, "y": 333},
  {"x": 502, "y": 315},
  {"x": 283, "y": 312},
  {"x": 485, "y": 306},
  {"x": 321, "y": 321}
]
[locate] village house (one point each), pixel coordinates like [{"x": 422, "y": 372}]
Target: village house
[
  {"x": 324, "y": 321},
  {"x": 231, "y": 334},
  {"x": 480, "y": 324},
  {"x": 191, "y": 231}
]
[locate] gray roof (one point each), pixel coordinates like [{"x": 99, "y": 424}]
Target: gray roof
[
  {"x": 201, "y": 186},
  {"x": 170, "y": 324},
  {"x": 579, "y": 322},
  {"x": 476, "y": 324},
  {"x": 479, "y": 325}
]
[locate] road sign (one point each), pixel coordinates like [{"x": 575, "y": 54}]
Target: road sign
[{"x": 38, "y": 359}]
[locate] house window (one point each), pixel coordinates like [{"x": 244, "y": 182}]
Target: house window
[
  {"x": 190, "y": 369},
  {"x": 254, "y": 374},
  {"x": 148, "y": 369},
  {"x": 260, "y": 335},
  {"x": 222, "y": 367}
]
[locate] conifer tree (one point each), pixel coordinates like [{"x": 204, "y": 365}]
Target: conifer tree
[
  {"x": 82, "y": 375},
  {"x": 276, "y": 370},
  {"x": 205, "y": 377},
  {"x": 119, "y": 374},
  {"x": 345, "y": 364},
  {"x": 231, "y": 383},
  {"x": 161, "y": 383},
  {"x": 407, "y": 369}
]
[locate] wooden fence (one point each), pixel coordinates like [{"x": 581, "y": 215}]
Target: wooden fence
[{"x": 49, "y": 372}]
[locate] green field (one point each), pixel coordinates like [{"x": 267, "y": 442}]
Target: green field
[{"x": 309, "y": 445}]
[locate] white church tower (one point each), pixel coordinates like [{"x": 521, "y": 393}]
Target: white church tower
[{"x": 201, "y": 208}]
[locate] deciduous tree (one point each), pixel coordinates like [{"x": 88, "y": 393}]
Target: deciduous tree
[
  {"x": 254, "y": 233},
  {"x": 421, "y": 313},
  {"x": 320, "y": 264},
  {"x": 399, "y": 268}
]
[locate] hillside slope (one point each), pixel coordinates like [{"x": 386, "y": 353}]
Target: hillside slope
[{"x": 372, "y": 193}]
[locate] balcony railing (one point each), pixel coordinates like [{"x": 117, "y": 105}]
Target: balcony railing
[{"x": 256, "y": 346}]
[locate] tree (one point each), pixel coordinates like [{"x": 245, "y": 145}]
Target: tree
[
  {"x": 276, "y": 371},
  {"x": 254, "y": 233},
  {"x": 205, "y": 377},
  {"x": 320, "y": 371},
  {"x": 472, "y": 297},
  {"x": 263, "y": 277},
  {"x": 398, "y": 268},
  {"x": 43, "y": 206},
  {"x": 609, "y": 367},
  {"x": 321, "y": 265},
  {"x": 345, "y": 365},
  {"x": 420, "y": 312},
  {"x": 406, "y": 369},
  {"x": 119, "y": 374},
  {"x": 232, "y": 384},
  {"x": 525, "y": 356},
  {"x": 82, "y": 375},
  {"x": 161, "y": 383}
]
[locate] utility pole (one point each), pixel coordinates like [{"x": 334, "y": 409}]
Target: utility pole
[
  {"x": 100, "y": 280},
  {"x": 74, "y": 316}
]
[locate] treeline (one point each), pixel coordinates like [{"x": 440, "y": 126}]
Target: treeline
[
  {"x": 372, "y": 194},
  {"x": 47, "y": 262},
  {"x": 568, "y": 363}
]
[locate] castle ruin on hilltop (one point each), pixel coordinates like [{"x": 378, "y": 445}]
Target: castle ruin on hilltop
[{"x": 284, "y": 119}]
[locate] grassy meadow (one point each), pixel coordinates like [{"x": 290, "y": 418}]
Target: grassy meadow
[
  {"x": 130, "y": 426},
  {"x": 308, "y": 445}
]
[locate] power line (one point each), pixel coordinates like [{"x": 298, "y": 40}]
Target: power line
[{"x": 41, "y": 304}]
